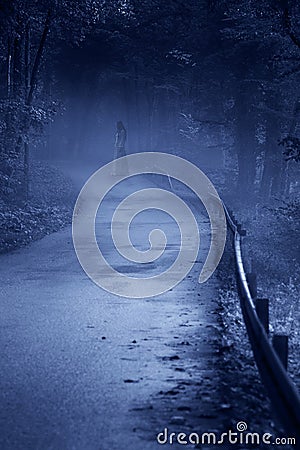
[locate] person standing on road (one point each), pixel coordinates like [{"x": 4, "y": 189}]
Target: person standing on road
[
  {"x": 121, "y": 136},
  {"x": 120, "y": 141}
]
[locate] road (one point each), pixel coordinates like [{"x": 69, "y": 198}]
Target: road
[{"x": 84, "y": 369}]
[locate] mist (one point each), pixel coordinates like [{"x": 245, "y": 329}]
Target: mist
[{"x": 103, "y": 353}]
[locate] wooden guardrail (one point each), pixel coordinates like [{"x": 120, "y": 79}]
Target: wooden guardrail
[{"x": 270, "y": 357}]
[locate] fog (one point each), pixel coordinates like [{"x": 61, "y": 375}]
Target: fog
[{"x": 120, "y": 319}]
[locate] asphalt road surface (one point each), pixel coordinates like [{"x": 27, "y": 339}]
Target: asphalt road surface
[{"x": 85, "y": 369}]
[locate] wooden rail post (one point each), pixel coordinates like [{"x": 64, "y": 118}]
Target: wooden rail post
[
  {"x": 262, "y": 311},
  {"x": 252, "y": 283},
  {"x": 240, "y": 229},
  {"x": 280, "y": 344}
]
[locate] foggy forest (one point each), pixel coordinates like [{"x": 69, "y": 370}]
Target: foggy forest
[{"x": 213, "y": 81}]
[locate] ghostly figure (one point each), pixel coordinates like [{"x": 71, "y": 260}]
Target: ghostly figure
[
  {"x": 121, "y": 136},
  {"x": 120, "y": 141}
]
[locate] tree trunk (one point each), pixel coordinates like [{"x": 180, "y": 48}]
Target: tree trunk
[
  {"x": 27, "y": 59},
  {"x": 9, "y": 68},
  {"x": 150, "y": 113},
  {"x": 31, "y": 87},
  {"x": 245, "y": 144},
  {"x": 26, "y": 90},
  {"x": 137, "y": 108},
  {"x": 17, "y": 70},
  {"x": 162, "y": 120},
  {"x": 38, "y": 58},
  {"x": 273, "y": 160}
]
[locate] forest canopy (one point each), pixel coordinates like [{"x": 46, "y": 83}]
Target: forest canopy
[{"x": 189, "y": 77}]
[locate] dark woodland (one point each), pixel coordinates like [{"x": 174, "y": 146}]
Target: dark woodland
[
  {"x": 186, "y": 76},
  {"x": 214, "y": 81}
]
